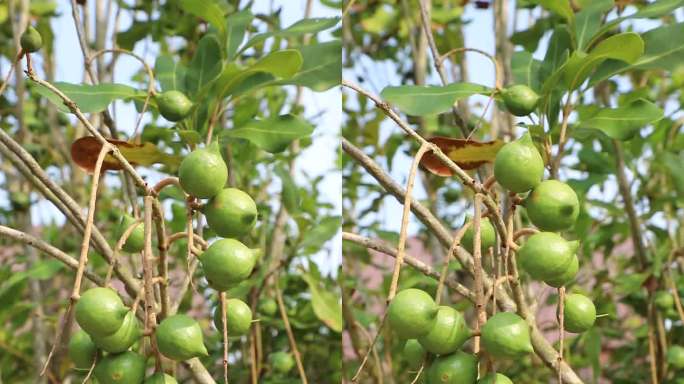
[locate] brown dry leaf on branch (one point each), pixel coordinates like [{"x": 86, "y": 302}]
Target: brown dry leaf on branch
[
  {"x": 85, "y": 150},
  {"x": 468, "y": 154}
]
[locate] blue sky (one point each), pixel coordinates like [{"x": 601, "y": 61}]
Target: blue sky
[{"x": 319, "y": 159}]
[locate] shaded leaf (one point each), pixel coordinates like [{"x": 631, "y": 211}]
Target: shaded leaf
[
  {"x": 311, "y": 25},
  {"x": 314, "y": 239},
  {"x": 326, "y": 304},
  {"x": 624, "y": 122},
  {"x": 277, "y": 65},
  {"x": 84, "y": 153},
  {"x": 467, "y": 154},
  {"x": 272, "y": 135},
  {"x": 658, "y": 8},
  {"x": 420, "y": 100},
  {"x": 237, "y": 27},
  {"x": 170, "y": 74},
  {"x": 526, "y": 69},
  {"x": 289, "y": 193},
  {"x": 205, "y": 65},
  {"x": 588, "y": 21}
]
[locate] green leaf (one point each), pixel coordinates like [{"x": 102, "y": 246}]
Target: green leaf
[
  {"x": 624, "y": 122},
  {"x": 429, "y": 100},
  {"x": 289, "y": 193},
  {"x": 311, "y": 25},
  {"x": 208, "y": 10},
  {"x": 316, "y": 237},
  {"x": 205, "y": 65},
  {"x": 561, "y": 8},
  {"x": 592, "y": 347},
  {"x": 589, "y": 21},
  {"x": 237, "y": 27},
  {"x": 279, "y": 65},
  {"x": 137, "y": 31},
  {"x": 627, "y": 47},
  {"x": 661, "y": 52},
  {"x": 272, "y": 135},
  {"x": 45, "y": 269},
  {"x": 658, "y": 9},
  {"x": 674, "y": 165},
  {"x": 170, "y": 74},
  {"x": 322, "y": 67},
  {"x": 326, "y": 304},
  {"x": 525, "y": 69},
  {"x": 90, "y": 98},
  {"x": 189, "y": 137}
]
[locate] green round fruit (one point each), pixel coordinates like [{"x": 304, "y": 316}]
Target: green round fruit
[
  {"x": 414, "y": 353},
  {"x": 31, "y": 41},
  {"x": 122, "y": 368},
  {"x": 231, "y": 213},
  {"x": 506, "y": 335},
  {"x": 567, "y": 276},
  {"x": 282, "y": 362},
  {"x": 518, "y": 166},
  {"x": 160, "y": 378},
  {"x": 179, "y": 338},
  {"x": 203, "y": 173},
  {"x": 675, "y": 356},
  {"x": 174, "y": 105},
  {"x": 546, "y": 255},
  {"x": 494, "y": 378},
  {"x": 487, "y": 236},
  {"x": 412, "y": 313},
  {"x": 82, "y": 350},
  {"x": 123, "y": 338},
  {"x": 136, "y": 241},
  {"x": 268, "y": 307},
  {"x": 580, "y": 313},
  {"x": 238, "y": 317},
  {"x": 520, "y": 100},
  {"x": 100, "y": 311},
  {"x": 448, "y": 333},
  {"x": 664, "y": 300},
  {"x": 457, "y": 368},
  {"x": 226, "y": 263},
  {"x": 552, "y": 206}
]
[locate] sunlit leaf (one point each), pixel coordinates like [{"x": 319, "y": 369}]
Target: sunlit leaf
[
  {"x": 421, "y": 100},
  {"x": 623, "y": 123},
  {"x": 322, "y": 66},
  {"x": 90, "y": 98},
  {"x": 208, "y": 10},
  {"x": 311, "y": 25}
]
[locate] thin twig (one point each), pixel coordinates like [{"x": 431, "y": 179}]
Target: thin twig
[
  {"x": 447, "y": 258},
  {"x": 117, "y": 249},
  {"x": 477, "y": 267},
  {"x": 148, "y": 276},
  {"x": 561, "y": 330},
  {"x": 404, "y": 222},
  {"x": 290, "y": 334},
  {"x": 371, "y": 348},
  {"x": 411, "y": 261},
  {"x": 224, "y": 323}
]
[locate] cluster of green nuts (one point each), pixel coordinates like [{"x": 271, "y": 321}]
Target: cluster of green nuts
[
  {"x": 441, "y": 330},
  {"x": 552, "y": 206},
  {"x": 108, "y": 335}
]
